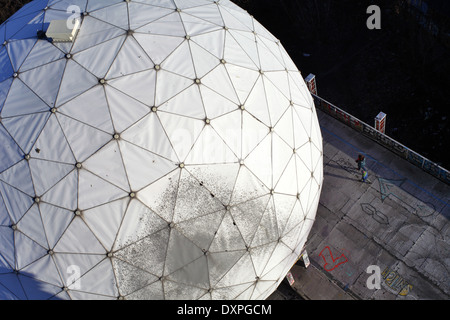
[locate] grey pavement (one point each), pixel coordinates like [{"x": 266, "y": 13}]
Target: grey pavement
[{"x": 397, "y": 221}]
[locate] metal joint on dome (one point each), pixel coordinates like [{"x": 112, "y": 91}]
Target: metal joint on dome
[
  {"x": 14, "y": 227},
  {"x": 102, "y": 81},
  {"x": 27, "y": 157},
  {"x": 157, "y": 67},
  {"x": 68, "y": 56},
  {"x": 15, "y": 74},
  {"x": 197, "y": 81},
  {"x": 116, "y": 136},
  {"x": 154, "y": 109},
  {"x": 79, "y": 165},
  {"x": 37, "y": 199},
  {"x": 132, "y": 195},
  {"x": 207, "y": 121},
  {"x": 181, "y": 165},
  {"x": 53, "y": 110},
  {"x": 78, "y": 213}
]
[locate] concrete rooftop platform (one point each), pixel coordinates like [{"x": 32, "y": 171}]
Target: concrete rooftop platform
[{"x": 399, "y": 221}]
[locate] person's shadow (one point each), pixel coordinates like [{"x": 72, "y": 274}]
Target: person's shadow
[{"x": 23, "y": 286}]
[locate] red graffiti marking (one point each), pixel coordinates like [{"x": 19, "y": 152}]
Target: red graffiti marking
[{"x": 331, "y": 263}]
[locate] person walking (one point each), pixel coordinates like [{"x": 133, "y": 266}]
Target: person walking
[
  {"x": 365, "y": 174},
  {"x": 361, "y": 161}
]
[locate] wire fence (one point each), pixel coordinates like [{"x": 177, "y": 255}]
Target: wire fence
[{"x": 369, "y": 131}]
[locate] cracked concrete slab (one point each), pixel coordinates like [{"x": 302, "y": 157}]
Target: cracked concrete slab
[{"x": 397, "y": 221}]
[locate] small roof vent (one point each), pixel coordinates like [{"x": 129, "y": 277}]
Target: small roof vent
[{"x": 63, "y": 30}]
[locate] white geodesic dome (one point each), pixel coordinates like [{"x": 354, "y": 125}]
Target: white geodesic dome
[{"x": 171, "y": 151}]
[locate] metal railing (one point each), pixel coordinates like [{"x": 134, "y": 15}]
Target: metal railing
[{"x": 406, "y": 153}]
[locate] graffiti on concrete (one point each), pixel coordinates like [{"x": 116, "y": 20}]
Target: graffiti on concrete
[
  {"x": 392, "y": 189},
  {"x": 330, "y": 262},
  {"x": 377, "y": 215},
  {"x": 395, "y": 282},
  {"x": 346, "y": 165}
]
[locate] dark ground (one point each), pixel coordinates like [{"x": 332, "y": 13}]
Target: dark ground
[
  {"x": 401, "y": 69},
  {"x": 8, "y": 7}
]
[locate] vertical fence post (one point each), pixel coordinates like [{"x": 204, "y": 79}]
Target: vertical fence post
[
  {"x": 380, "y": 122},
  {"x": 311, "y": 83}
]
